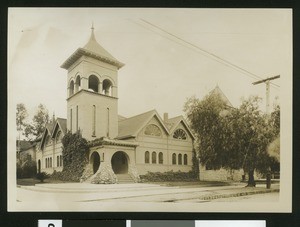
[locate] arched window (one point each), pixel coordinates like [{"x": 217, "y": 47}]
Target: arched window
[
  {"x": 180, "y": 159},
  {"x": 154, "y": 157},
  {"x": 160, "y": 158},
  {"x": 185, "y": 159},
  {"x": 107, "y": 87},
  {"x": 77, "y": 84},
  {"x": 46, "y": 163},
  {"x": 50, "y": 162},
  {"x": 147, "y": 157},
  {"x": 61, "y": 160},
  {"x": 71, "y": 88},
  {"x": 152, "y": 130},
  {"x": 174, "y": 159},
  {"x": 180, "y": 134},
  {"x": 93, "y": 83},
  {"x": 57, "y": 161}
]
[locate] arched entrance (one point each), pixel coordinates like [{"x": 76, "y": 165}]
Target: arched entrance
[
  {"x": 119, "y": 162},
  {"x": 95, "y": 161},
  {"x": 39, "y": 166}
]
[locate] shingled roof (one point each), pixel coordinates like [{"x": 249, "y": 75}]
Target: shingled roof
[
  {"x": 92, "y": 49},
  {"x": 130, "y": 127}
]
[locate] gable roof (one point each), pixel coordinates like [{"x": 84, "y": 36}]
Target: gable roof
[
  {"x": 92, "y": 49},
  {"x": 130, "y": 127},
  {"x": 217, "y": 91},
  {"x": 175, "y": 121},
  {"x": 62, "y": 124}
]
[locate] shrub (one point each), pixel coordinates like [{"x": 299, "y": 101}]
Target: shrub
[
  {"x": 26, "y": 169},
  {"x": 42, "y": 176},
  {"x": 168, "y": 176}
]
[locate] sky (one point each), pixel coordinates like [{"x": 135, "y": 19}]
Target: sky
[{"x": 165, "y": 52}]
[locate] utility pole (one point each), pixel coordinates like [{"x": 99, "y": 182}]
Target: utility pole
[{"x": 267, "y": 81}]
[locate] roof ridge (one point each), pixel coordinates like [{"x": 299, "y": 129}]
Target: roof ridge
[{"x": 138, "y": 115}]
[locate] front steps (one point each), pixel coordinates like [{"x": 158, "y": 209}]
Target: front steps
[{"x": 124, "y": 179}]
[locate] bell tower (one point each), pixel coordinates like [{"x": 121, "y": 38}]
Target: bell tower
[{"x": 92, "y": 86}]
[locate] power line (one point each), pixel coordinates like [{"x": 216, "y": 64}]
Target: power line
[{"x": 211, "y": 55}]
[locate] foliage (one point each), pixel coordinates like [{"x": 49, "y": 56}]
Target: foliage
[
  {"x": 26, "y": 169},
  {"x": 36, "y": 128},
  {"x": 195, "y": 167},
  {"x": 75, "y": 157},
  {"x": 205, "y": 119},
  {"x": 168, "y": 176},
  {"x": 231, "y": 138},
  {"x": 42, "y": 176},
  {"x": 21, "y": 117}
]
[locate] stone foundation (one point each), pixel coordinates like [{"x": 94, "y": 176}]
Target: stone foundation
[
  {"x": 104, "y": 175},
  {"x": 133, "y": 172}
]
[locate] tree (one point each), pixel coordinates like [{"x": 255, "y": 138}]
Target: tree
[
  {"x": 248, "y": 134},
  {"x": 21, "y": 117},
  {"x": 38, "y": 124},
  {"x": 228, "y": 137}
]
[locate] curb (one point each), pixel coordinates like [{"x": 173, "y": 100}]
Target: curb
[{"x": 220, "y": 196}]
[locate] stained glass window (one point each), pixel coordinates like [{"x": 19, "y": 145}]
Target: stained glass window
[
  {"x": 152, "y": 130},
  {"x": 179, "y": 134}
]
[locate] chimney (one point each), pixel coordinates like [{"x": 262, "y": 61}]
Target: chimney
[{"x": 166, "y": 116}]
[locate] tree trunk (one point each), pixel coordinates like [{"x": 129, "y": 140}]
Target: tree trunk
[{"x": 251, "y": 181}]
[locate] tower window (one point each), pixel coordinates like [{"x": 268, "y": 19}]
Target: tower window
[
  {"x": 76, "y": 118},
  {"x": 71, "y": 88},
  {"x": 93, "y": 83},
  {"x": 107, "y": 87},
  {"x": 94, "y": 120},
  {"x": 71, "y": 119}
]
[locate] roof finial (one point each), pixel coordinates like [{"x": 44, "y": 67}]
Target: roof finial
[{"x": 93, "y": 35}]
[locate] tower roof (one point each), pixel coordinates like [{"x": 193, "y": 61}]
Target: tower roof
[
  {"x": 92, "y": 49},
  {"x": 217, "y": 91}
]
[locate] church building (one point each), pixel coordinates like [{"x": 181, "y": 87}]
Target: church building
[{"x": 124, "y": 147}]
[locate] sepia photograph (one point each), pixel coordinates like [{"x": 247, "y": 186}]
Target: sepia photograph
[{"x": 149, "y": 110}]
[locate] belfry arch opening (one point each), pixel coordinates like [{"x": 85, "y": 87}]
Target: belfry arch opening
[
  {"x": 77, "y": 84},
  {"x": 119, "y": 162},
  {"x": 93, "y": 83},
  {"x": 107, "y": 87},
  {"x": 95, "y": 161}
]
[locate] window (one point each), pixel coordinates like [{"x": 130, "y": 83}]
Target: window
[
  {"x": 154, "y": 157},
  {"x": 185, "y": 159},
  {"x": 61, "y": 160},
  {"x": 76, "y": 118},
  {"x": 71, "y": 88},
  {"x": 107, "y": 87},
  {"x": 71, "y": 120},
  {"x": 147, "y": 157},
  {"x": 50, "y": 162},
  {"x": 77, "y": 84},
  {"x": 93, "y": 83},
  {"x": 174, "y": 159},
  {"x": 57, "y": 161},
  {"x": 94, "y": 121},
  {"x": 46, "y": 163},
  {"x": 107, "y": 133},
  {"x": 160, "y": 158},
  {"x": 179, "y": 134},
  {"x": 180, "y": 159},
  {"x": 152, "y": 130}
]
